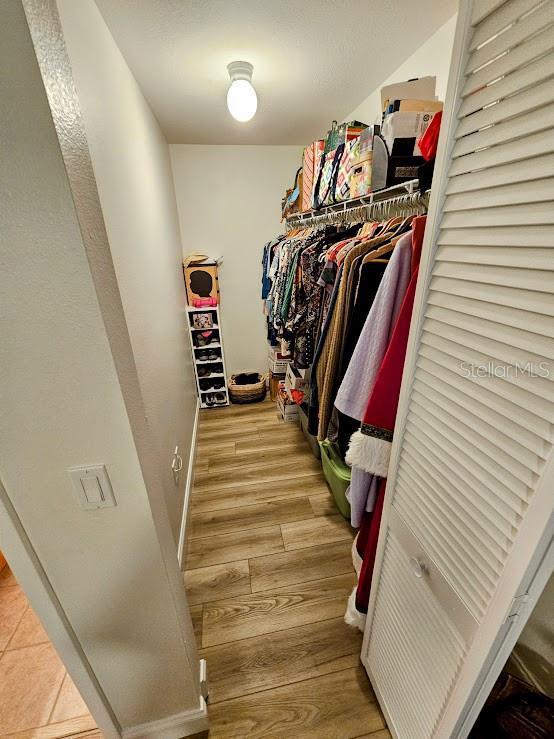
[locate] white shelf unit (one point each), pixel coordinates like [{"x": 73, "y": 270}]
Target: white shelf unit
[{"x": 198, "y": 363}]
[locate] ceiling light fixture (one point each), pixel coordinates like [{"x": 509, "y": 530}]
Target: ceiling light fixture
[{"x": 242, "y": 100}]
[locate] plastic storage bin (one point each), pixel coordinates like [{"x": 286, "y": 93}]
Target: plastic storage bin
[{"x": 337, "y": 474}]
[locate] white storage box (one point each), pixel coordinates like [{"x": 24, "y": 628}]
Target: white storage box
[
  {"x": 296, "y": 378},
  {"x": 278, "y": 362},
  {"x": 405, "y": 125},
  {"x": 288, "y": 410}
]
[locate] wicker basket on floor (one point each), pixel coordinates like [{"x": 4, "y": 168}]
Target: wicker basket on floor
[{"x": 241, "y": 390}]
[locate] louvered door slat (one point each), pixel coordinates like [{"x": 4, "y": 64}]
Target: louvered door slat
[
  {"x": 430, "y": 444},
  {"x": 466, "y": 517},
  {"x": 516, "y": 105},
  {"x": 475, "y": 427},
  {"x": 530, "y": 258},
  {"x": 510, "y": 215},
  {"x": 509, "y": 194},
  {"x": 496, "y": 294},
  {"x": 443, "y": 554},
  {"x": 528, "y": 448},
  {"x": 524, "y": 279},
  {"x": 515, "y": 83},
  {"x": 466, "y": 468},
  {"x": 530, "y": 342},
  {"x": 518, "y": 57},
  {"x": 483, "y": 403},
  {"x": 412, "y": 494},
  {"x": 504, "y": 177},
  {"x": 523, "y": 390},
  {"x": 534, "y": 323},
  {"x": 451, "y": 413},
  {"x": 509, "y": 130},
  {"x": 487, "y": 350},
  {"x": 513, "y": 151},
  {"x": 449, "y": 515},
  {"x": 502, "y": 396},
  {"x": 541, "y": 18},
  {"x": 497, "y": 21},
  {"x": 500, "y": 236}
]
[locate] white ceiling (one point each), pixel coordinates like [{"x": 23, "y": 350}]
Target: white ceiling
[{"x": 314, "y": 60}]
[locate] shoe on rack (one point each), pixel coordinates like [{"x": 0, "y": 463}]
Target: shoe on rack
[
  {"x": 213, "y": 355},
  {"x": 205, "y": 338},
  {"x": 202, "y": 355}
]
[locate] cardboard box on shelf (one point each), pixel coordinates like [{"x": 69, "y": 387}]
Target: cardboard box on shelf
[
  {"x": 422, "y": 88},
  {"x": 432, "y": 106}
]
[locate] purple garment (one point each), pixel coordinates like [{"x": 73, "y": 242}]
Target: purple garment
[
  {"x": 361, "y": 494},
  {"x": 358, "y": 381}
]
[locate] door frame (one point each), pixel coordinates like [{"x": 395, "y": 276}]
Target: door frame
[
  {"x": 25, "y": 564},
  {"x": 533, "y": 583}
]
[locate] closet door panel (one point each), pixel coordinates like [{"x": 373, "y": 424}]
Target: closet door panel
[
  {"x": 416, "y": 663},
  {"x": 475, "y": 430}
]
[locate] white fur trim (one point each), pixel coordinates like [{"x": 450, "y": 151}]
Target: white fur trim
[
  {"x": 352, "y": 616},
  {"x": 369, "y": 453},
  {"x": 357, "y": 561}
]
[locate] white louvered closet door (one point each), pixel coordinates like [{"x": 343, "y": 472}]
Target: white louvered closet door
[{"x": 470, "y": 493}]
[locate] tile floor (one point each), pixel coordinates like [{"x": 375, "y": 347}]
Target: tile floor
[{"x": 38, "y": 699}]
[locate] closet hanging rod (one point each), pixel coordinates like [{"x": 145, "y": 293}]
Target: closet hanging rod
[{"x": 397, "y": 200}]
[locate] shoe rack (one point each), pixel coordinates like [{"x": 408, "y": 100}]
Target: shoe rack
[{"x": 209, "y": 359}]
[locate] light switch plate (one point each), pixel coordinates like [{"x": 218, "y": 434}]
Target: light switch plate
[{"x": 92, "y": 486}]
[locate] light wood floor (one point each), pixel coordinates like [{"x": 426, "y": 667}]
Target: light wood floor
[{"x": 268, "y": 574}]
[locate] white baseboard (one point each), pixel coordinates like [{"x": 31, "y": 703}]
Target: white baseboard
[
  {"x": 188, "y": 486},
  {"x": 180, "y": 725}
]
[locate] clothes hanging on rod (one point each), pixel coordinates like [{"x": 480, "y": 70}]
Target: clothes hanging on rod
[
  {"x": 369, "y": 449},
  {"x": 352, "y": 286}
]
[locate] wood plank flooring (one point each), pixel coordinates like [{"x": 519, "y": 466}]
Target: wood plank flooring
[{"x": 268, "y": 573}]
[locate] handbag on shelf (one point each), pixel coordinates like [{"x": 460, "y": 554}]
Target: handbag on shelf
[
  {"x": 345, "y": 169},
  {"x": 310, "y": 168},
  {"x": 342, "y": 133},
  {"x": 292, "y": 202},
  {"x": 324, "y": 189}
]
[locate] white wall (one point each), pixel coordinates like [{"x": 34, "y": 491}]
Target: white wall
[
  {"x": 62, "y": 404},
  {"x": 432, "y": 58},
  {"x": 132, "y": 167},
  {"x": 229, "y": 200}
]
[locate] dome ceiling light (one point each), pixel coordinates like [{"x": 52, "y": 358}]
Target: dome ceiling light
[{"x": 242, "y": 100}]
